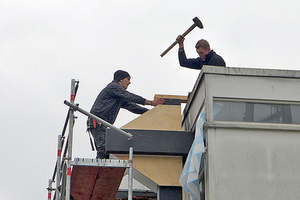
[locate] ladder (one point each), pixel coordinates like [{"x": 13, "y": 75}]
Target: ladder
[{"x": 82, "y": 177}]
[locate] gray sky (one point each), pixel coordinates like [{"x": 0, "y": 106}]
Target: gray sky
[{"x": 44, "y": 44}]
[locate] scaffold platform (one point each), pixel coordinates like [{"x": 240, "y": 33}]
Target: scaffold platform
[{"x": 96, "y": 179}]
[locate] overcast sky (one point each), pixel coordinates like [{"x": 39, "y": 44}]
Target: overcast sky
[{"x": 44, "y": 44}]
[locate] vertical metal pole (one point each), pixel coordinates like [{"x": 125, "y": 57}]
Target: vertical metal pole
[
  {"x": 58, "y": 170},
  {"x": 70, "y": 140},
  {"x": 130, "y": 174},
  {"x": 49, "y": 189}
]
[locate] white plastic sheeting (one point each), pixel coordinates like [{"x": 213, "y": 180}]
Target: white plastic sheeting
[{"x": 189, "y": 176}]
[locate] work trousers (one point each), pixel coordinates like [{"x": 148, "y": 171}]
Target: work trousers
[{"x": 99, "y": 134}]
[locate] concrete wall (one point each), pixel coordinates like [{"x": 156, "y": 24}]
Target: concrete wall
[
  {"x": 252, "y": 164},
  {"x": 247, "y": 160}
]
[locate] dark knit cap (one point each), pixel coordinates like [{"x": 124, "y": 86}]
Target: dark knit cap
[{"x": 120, "y": 75}]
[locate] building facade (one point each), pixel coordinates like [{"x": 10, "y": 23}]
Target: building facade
[{"x": 247, "y": 122}]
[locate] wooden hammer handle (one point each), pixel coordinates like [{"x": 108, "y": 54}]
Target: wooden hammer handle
[{"x": 174, "y": 43}]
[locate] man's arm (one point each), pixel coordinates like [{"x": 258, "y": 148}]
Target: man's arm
[
  {"x": 128, "y": 96},
  {"x": 118, "y": 91},
  {"x": 133, "y": 107},
  {"x": 193, "y": 63},
  {"x": 155, "y": 102}
]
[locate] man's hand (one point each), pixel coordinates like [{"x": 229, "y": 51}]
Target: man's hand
[
  {"x": 156, "y": 102},
  {"x": 180, "y": 40}
]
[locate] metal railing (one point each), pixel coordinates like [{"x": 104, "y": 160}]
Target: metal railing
[{"x": 62, "y": 170}]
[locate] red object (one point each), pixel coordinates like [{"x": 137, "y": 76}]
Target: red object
[
  {"x": 94, "y": 183},
  {"x": 69, "y": 172},
  {"x": 59, "y": 153},
  {"x": 72, "y": 97},
  {"x": 94, "y": 123}
]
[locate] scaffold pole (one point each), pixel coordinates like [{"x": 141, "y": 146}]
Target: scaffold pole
[
  {"x": 130, "y": 174},
  {"x": 70, "y": 141}
]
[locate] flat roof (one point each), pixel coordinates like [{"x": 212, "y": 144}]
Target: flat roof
[{"x": 250, "y": 71}]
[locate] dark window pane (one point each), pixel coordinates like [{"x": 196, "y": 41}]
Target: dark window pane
[{"x": 256, "y": 112}]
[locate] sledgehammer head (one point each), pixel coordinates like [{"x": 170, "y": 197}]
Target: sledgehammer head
[{"x": 198, "y": 22}]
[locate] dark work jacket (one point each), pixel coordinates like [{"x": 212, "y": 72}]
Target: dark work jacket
[
  {"x": 197, "y": 63},
  {"x": 112, "y": 98}
]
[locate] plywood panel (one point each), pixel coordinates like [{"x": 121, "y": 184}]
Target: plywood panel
[
  {"x": 163, "y": 170},
  {"x": 161, "y": 117}
]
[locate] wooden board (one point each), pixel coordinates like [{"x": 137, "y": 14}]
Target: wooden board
[
  {"x": 161, "y": 117},
  {"x": 163, "y": 170},
  {"x": 165, "y": 96}
]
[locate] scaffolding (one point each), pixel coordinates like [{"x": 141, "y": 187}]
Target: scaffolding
[{"x": 68, "y": 181}]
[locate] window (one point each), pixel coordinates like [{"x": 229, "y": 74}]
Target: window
[{"x": 228, "y": 110}]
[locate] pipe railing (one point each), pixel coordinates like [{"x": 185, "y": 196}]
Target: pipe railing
[
  {"x": 62, "y": 159},
  {"x": 105, "y": 123}
]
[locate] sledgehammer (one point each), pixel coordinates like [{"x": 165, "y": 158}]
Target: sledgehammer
[{"x": 197, "y": 22}]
